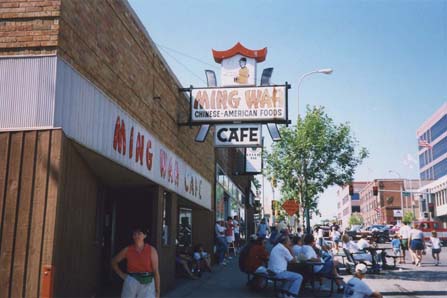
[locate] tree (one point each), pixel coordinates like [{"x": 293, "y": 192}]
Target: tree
[
  {"x": 355, "y": 219},
  {"x": 408, "y": 217},
  {"x": 312, "y": 155}
]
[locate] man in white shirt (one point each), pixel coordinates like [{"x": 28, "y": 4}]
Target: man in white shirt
[
  {"x": 404, "y": 233},
  {"x": 280, "y": 256},
  {"x": 377, "y": 255},
  {"x": 357, "y": 288}
]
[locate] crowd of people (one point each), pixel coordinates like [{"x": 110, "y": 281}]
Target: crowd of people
[{"x": 278, "y": 253}]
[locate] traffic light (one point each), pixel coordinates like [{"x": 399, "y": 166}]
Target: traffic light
[
  {"x": 351, "y": 189},
  {"x": 375, "y": 191}
]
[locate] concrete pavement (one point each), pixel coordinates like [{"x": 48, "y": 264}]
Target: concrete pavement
[{"x": 428, "y": 281}]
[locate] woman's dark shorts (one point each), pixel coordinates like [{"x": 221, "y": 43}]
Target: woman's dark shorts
[{"x": 416, "y": 244}]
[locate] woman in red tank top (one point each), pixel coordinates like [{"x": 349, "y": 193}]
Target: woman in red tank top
[{"x": 142, "y": 268}]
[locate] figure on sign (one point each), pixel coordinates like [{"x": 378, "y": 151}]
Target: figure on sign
[{"x": 244, "y": 73}]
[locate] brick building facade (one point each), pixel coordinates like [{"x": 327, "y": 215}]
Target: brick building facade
[{"x": 91, "y": 145}]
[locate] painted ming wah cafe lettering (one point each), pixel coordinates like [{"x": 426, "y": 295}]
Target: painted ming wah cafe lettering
[{"x": 139, "y": 148}]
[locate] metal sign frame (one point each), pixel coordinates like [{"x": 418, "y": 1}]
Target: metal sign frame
[{"x": 198, "y": 123}]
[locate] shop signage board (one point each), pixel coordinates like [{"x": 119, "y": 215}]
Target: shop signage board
[
  {"x": 253, "y": 160},
  {"x": 291, "y": 207},
  {"x": 397, "y": 213},
  {"x": 238, "y": 135},
  {"x": 92, "y": 119},
  {"x": 245, "y": 104}
]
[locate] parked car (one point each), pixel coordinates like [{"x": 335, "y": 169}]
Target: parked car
[{"x": 380, "y": 233}]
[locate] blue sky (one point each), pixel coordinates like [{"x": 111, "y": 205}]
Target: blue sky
[{"x": 389, "y": 60}]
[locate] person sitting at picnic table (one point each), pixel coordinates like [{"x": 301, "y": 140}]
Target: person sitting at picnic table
[
  {"x": 357, "y": 288},
  {"x": 352, "y": 247},
  {"x": 257, "y": 254},
  {"x": 201, "y": 259},
  {"x": 328, "y": 267},
  {"x": 377, "y": 255},
  {"x": 297, "y": 242},
  {"x": 279, "y": 258}
]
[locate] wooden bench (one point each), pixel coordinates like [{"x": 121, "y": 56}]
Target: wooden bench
[{"x": 269, "y": 276}]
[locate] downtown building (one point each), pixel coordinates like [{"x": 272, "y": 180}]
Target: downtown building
[
  {"x": 348, "y": 203},
  {"x": 432, "y": 142},
  {"x": 91, "y": 144},
  {"x": 384, "y": 201}
]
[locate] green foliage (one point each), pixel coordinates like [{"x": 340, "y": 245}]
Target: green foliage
[
  {"x": 408, "y": 217},
  {"x": 356, "y": 219},
  {"x": 312, "y": 155}
]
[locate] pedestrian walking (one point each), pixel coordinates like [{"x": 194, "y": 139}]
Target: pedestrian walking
[
  {"x": 435, "y": 247},
  {"x": 404, "y": 233},
  {"x": 335, "y": 235},
  {"x": 262, "y": 229},
  {"x": 417, "y": 244},
  {"x": 396, "y": 245},
  {"x": 142, "y": 278}
]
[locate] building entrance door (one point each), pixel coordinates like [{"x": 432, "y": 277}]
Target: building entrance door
[{"x": 124, "y": 209}]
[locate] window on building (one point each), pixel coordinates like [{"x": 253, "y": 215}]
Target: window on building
[
  {"x": 184, "y": 231},
  {"x": 440, "y": 148},
  {"x": 440, "y": 169},
  {"x": 355, "y": 209},
  {"x": 439, "y": 128},
  {"x": 355, "y": 196}
]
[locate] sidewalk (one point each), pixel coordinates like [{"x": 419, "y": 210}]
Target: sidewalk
[{"x": 224, "y": 282}]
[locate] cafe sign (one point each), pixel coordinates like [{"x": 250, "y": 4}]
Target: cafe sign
[{"x": 238, "y": 135}]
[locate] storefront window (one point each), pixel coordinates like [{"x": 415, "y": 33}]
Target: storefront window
[
  {"x": 166, "y": 218},
  {"x": 184, "y": 234},
  {"x": 220, "y": 203}
]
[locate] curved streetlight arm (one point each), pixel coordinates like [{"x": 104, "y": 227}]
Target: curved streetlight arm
[{"x": 326, "y": 71}]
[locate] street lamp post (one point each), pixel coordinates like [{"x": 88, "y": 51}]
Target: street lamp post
[
  {"x": 401, "y": 191},
  {"x": 326, "y": 71}
]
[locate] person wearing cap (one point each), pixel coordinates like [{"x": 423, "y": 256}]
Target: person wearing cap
[
  {"x": 279, "y": 258},
  {"x": 142, "y": 278},
  {"x": 357, "y": 288}
]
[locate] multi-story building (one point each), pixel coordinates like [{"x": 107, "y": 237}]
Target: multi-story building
[
  {"x": 91, "y": 145},
  {"x": 392, "y": 199},
  {"x": 434, "y": 200},
  {"x": 348, "y": 204},
  {"x": 432, "y": 137}
]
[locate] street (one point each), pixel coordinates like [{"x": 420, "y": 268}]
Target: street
[{"x": 407, "y": 281}]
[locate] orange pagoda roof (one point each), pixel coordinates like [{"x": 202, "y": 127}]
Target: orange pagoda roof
[{"x": 238, "y": 48}]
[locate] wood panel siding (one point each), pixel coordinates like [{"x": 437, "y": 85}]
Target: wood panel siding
[
  {"x": 28, "y": 195},
  {"x": 76, "y": 247}
]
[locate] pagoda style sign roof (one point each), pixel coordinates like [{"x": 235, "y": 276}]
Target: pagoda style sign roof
[{"x": 238, "y": 48}]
